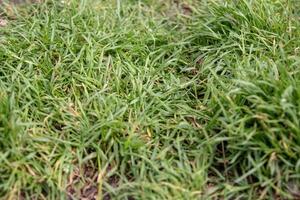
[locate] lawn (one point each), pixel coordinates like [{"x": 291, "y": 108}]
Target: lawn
[{"x": 150, "y": 99}]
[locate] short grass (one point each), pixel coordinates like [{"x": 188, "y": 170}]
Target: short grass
[{"x": 150, "y": 99}]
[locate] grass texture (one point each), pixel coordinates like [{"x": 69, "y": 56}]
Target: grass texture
[{"x": 150, "y": 99}]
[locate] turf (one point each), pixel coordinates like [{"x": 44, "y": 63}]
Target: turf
[{"x": 150, "y": 99}]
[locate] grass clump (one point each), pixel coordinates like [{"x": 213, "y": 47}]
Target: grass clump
[{"x": 150, "y": 100}]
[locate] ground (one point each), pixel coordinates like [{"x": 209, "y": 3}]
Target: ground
[{"x": 150, "y": 99}]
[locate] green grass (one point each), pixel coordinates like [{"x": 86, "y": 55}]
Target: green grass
[{"x": 150, "y": 99}]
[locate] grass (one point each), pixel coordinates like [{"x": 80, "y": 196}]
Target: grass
[{"x": 150, "y": 99}]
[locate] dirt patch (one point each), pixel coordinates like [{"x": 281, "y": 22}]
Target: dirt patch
[
  {"x": 85, "y": 184},
  {"x": 3, "y": 22},
  {"x": 184, "y": 7}
]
